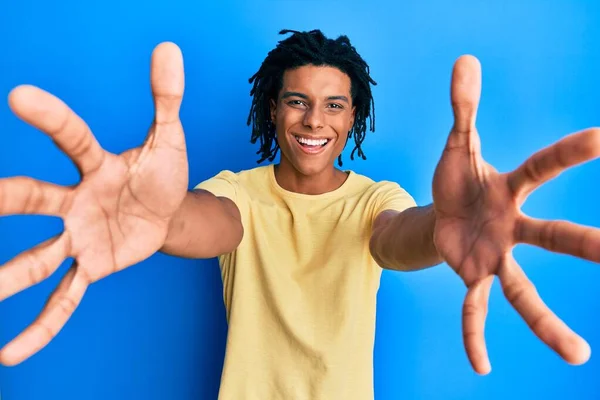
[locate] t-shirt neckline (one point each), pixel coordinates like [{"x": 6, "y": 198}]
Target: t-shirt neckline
[{"x": 336, "y": 192}]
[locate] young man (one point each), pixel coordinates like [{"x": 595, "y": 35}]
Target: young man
[{"x": 301, "y": 243}]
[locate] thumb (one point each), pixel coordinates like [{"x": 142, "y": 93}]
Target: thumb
[
  {"x": 465, "y": 92},
  {"x": 167, "y": 82}
]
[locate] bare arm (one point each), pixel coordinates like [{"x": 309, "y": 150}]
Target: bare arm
[
  {"x": 404, "y": 240},
  {"x": 204, "y": 226}
]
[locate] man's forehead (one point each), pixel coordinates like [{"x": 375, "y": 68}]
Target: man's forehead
[{"x": 313, "y": 78}]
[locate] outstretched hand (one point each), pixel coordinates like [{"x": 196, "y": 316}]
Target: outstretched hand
[
  {"x": 479, "y": 221},
  {"x": 116, "y": 216}
]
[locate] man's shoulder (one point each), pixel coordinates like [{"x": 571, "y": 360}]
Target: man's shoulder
[
  {"x": 366, "y": 183},
  {"x": 252, "y": 177},
  {"x": 235, "y": 185},
  {"x": 385, "y": 194},
  {"x": 243, "y": 174}
]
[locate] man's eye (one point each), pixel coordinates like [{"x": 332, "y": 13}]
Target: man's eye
[{"x": 334, "y": 105}]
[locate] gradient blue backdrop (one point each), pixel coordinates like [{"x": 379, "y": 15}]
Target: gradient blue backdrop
[{"x": 157, "y": 330}]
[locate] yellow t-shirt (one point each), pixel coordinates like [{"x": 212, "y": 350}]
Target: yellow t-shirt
[{"x": 300, "y": 290}]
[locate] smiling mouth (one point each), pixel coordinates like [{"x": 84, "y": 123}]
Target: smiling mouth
[{"x": 312, "y": 143}]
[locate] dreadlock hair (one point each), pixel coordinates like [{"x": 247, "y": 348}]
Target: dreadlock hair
[{"x": 304, "y": 48}]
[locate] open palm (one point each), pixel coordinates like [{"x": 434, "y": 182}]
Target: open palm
[
  {"x": 479, "y": 221},
  {"x": 116, "y": 216}
]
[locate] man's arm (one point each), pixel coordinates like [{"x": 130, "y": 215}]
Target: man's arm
[
  {"x": 404, "y": 240},
  {"x": 205, "y": 226}
]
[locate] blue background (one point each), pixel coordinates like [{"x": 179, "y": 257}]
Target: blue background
[{"x": 157, "y": 330}]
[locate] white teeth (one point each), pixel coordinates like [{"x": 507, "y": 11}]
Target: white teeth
[{"x": 312, "y": 142}]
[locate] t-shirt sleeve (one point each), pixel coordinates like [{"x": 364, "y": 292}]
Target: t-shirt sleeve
[
  {"x": 224, "y": 184},
  {"x": 393, "y": 197}
]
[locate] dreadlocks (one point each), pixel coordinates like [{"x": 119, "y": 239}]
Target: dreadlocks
[{"x": 303, "y": 48}]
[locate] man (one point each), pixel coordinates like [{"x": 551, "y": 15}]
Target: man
[{"x": 301, "y": 244}]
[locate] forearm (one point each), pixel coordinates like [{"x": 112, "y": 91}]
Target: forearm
[
  {"x": 205, "y": 226},
  {"x": 404, "y": 241}
]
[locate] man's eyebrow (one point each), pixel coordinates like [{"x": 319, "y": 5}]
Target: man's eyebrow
[
  {"x": 303, "y": 96},
  {"x": 294, "y": 94},
  {"x": 342, "y": 98}
]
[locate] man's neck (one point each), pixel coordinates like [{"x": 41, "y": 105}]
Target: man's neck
[{"x": 293, "y": 181}]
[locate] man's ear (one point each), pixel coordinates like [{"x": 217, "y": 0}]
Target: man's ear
[{"x": 273, "y": 111}]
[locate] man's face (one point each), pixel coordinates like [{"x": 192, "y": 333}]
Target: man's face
[{"x": 312, "y": 116}]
